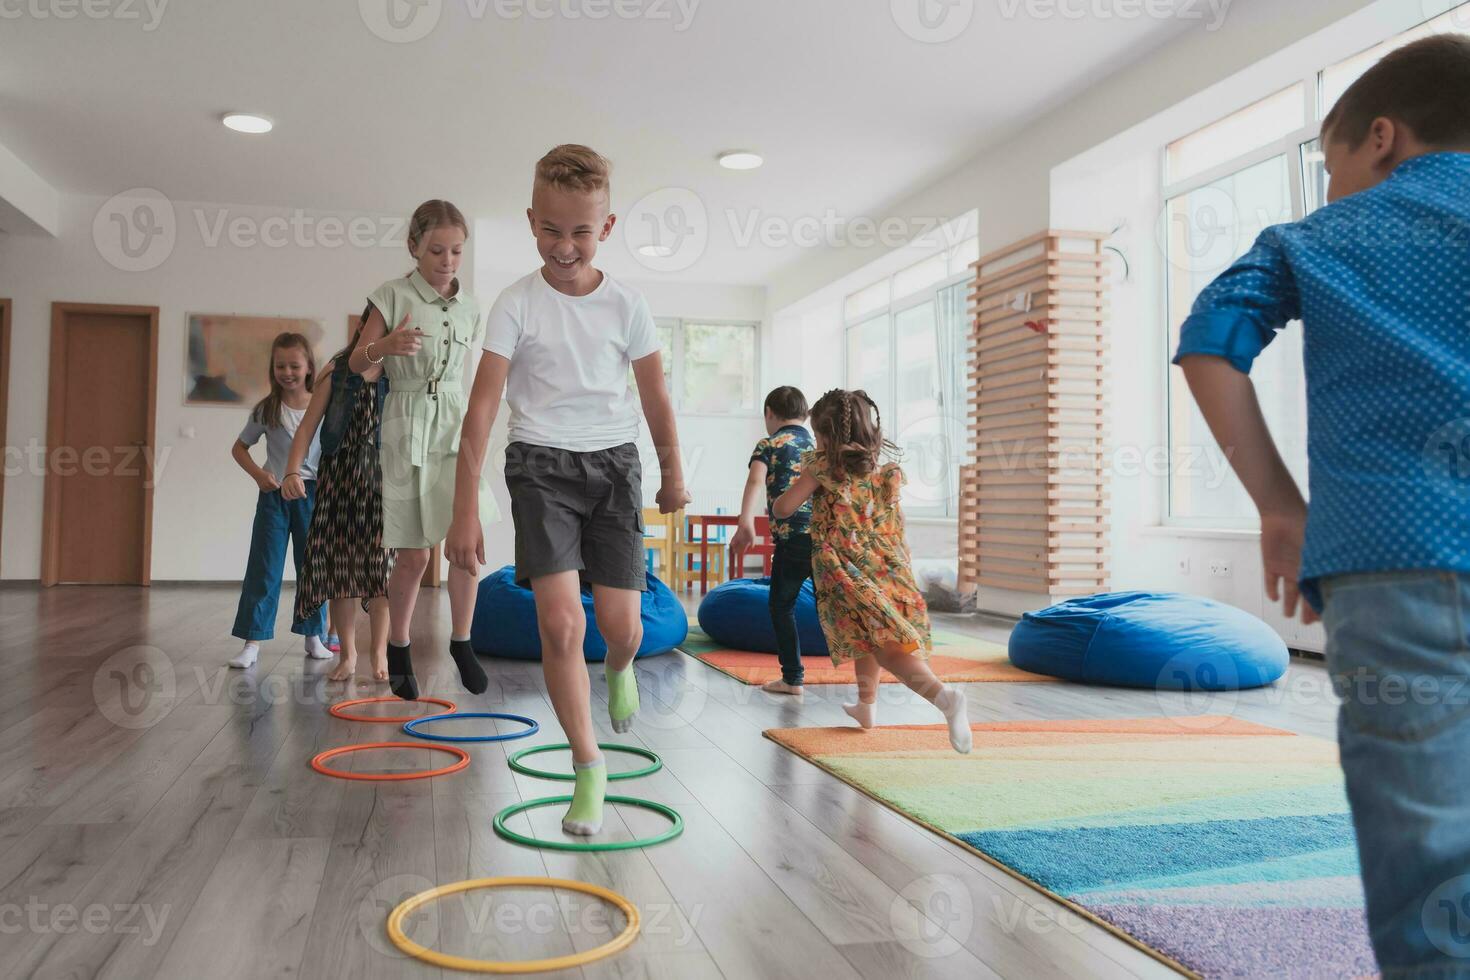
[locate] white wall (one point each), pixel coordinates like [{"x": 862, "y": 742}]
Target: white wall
[
  {"x": 203, "y": 504},
  {"x": 1009, "y": 181}
]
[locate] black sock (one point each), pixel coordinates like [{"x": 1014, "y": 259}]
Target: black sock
[
  {"x": 471, "y": 674},
  {"x": 400, "y": 672}
]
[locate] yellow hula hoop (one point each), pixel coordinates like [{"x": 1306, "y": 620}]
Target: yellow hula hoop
[{"x": 420, "y": 952}]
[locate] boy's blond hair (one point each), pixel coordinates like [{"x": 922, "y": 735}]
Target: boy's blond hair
[{"x": 574, "y": 167}]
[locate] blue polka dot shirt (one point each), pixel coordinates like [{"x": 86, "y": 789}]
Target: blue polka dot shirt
[{"x": 1381, "y": 283}]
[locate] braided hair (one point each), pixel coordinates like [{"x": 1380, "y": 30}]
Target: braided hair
[{"x": 851, "y": 428}]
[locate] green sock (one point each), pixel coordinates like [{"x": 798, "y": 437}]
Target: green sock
[
  {"x": 584, "y": 817},
  {"x": 622, "y": 698}
]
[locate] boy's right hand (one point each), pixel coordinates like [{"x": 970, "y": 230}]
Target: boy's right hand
[
  {"x": 465, "y": 545},
  {"x": 401, "y": 342},
  {"x": 267, "y": 482},
  {"x": 1281, "y": 557},
  {"x": 742, "y": 539}
]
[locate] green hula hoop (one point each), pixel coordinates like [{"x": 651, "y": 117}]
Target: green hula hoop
[
  {"x": 516, "y": 764},
  {"x": 558, "y": 845}
]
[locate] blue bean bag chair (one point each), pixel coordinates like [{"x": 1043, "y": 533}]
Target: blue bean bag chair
[
  {"x": 505, "y": 620},
  {"x": 738, "y": 615},
  {"x": 1165, "y": 641}
]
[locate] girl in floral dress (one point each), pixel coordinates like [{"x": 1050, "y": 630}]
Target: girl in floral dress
[{"x": 867, "y": 600}]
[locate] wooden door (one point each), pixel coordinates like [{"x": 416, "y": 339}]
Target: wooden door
[
  {"x": 97, "y": 526},
  {"x": 433, "y": 578}
]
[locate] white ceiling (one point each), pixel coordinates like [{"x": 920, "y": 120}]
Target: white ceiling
[{"x": 851, "y": 112}]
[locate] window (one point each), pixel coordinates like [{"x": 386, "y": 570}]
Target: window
[
  {"x": 1249, "y": 129},
  {"x": 907, "y": 345},
  {"x": 1225, "y": 184},
  {"x": 875, "y": 297},
  {"x": 710, "y": 367},
  {"x": 1335, "y": 79},
  {"x": 666, "y": 330},
  {"x": 1314, "y": 174},
  {"x": 1209, "y": 227},
  {"x": 719, "y": 368},
  {"x": 868, "y": 365}
]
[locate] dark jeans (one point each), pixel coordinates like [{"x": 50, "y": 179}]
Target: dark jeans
[{"x": 791, "y": 565}]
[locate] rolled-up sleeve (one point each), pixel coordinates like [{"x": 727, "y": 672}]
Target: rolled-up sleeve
[{"x": 1238, "y": 314}]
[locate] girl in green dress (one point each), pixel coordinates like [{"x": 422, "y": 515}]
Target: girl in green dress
[{"x": 435, "y": 323}]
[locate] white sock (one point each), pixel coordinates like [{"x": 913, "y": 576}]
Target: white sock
[
  {"x": 951, "y": 701},
  {"x": 316, "y": 649},
  {"x": 245, "y": 659},
  {"x": 863, "y": 714}
]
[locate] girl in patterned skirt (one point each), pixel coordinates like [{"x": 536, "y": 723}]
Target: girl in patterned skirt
[
  {"x": 346, "y": 562},
  {"x": 867, "y": 600}
]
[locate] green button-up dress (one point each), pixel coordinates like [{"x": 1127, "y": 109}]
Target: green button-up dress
[{"x": 425, "y": 411}]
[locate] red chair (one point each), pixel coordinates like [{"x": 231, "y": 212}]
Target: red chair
[{"x": 765, "y": 546}]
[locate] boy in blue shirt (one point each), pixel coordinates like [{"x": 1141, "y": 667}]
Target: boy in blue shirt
[
  {"x": 1380, "y": 279},
  {"x": 774, "y": 466}
]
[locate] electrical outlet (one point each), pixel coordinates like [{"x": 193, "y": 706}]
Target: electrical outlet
[
  {"x": 1184, "y": 565},
  {"x": 1220, "y": 568}
]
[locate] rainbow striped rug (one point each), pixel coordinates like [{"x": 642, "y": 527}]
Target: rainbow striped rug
[{"x": 1222, "y": 847}]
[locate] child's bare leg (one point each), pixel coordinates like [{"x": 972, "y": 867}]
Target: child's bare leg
[
  {"x": 378, "y": 626},
  {"x": 620, "y": 621},
  {"x": 403, "y": 593},
  {"x": 915, "y": 672},
  {"x": 462, "y": 588},
  {"x": 344, "y": 621},
  {"x": 563, "y": 627},
  {"x": 869, "y": 675}
]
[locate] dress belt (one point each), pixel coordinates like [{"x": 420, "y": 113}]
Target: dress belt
[{"x": 422, "y": 422}]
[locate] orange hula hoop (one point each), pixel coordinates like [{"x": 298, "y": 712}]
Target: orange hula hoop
[{"x": 318, "y": 761}]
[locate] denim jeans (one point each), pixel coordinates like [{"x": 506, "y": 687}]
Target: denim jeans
[
  {"x": 276, "y": 519},
  {"x": 791, "y": 565},
  {"x": 1400, "y": 658}
]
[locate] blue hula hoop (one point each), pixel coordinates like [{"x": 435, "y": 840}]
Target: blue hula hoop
[{"x": 411, "y": 727}]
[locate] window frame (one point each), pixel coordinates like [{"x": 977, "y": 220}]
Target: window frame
[
  {"x": 676, "y": 373},
  {"x": 896, "y": 305},
  {"x": 1294, "y": 147}
]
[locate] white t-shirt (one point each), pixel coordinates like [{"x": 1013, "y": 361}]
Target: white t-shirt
[
  {"x": 278, "y": 442},
  {"x": 569, "y": 356}
]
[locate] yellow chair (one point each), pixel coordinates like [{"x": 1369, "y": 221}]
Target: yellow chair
[
  {"x": 660, "y": 535},
  {"x": 687, "y": 557}
]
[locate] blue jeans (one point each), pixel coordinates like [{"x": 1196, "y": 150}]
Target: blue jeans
[
  {"x": 276, "y": 519},
  {"x": 1399, "y": 654},
  {"x": 791, "y": 565}
]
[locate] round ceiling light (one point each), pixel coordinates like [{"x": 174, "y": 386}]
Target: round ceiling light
[
  {"x": 246, "y": 122},
  {"x": 741, "y": 160}
]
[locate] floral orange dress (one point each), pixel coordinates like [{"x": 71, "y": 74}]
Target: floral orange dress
[{"x": 866, "y": 594}]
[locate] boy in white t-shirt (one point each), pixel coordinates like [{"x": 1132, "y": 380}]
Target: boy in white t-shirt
[{"x": 558, "y": 345}]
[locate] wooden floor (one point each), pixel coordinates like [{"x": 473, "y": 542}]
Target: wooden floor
[{"x": 158, "y": 818}]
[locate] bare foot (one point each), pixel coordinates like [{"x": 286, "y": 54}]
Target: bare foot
[
  {"x": 344, "y": 670},
  {"x": 380, "y": 665},
  {"x": 781, "y": 687}
]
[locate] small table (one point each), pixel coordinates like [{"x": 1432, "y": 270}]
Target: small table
[{"x": 707, "y": 521}]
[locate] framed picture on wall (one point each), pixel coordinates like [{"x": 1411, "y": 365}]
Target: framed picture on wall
[{"x": 227, "y": 361}]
